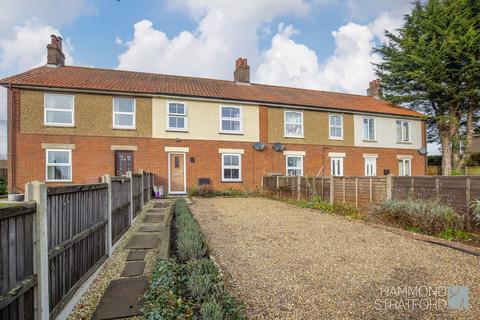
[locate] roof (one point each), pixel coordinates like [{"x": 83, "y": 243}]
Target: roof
[{"x": 83, "y": 78}]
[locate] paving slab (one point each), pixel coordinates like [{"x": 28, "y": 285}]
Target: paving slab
[
  {"x": 123, "y": 298},
  {"x": 143, "y": 241},
  {"x": 150, "y": 228},
  {"x": 153, "y": 218},
  {"x": 161, "y": 205},
  {"x": 161, "y": 211},
  {"x": 136, "y": 255},
  {"x": 133, "y": 269}
]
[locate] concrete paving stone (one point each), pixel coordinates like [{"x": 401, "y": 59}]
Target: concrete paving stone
[
  {"x": 136, "y": 255},
  {"x": 133, "y": 269},
  {"x": 143, "y": 241},
  {"x": 153, "y": 218},
  {"x": 150, "y": 228},
  {"x": 123, "y": 298},
  {"x": 161, "y": 205}
]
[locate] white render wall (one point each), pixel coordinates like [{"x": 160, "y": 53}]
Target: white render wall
[{"x": 386, "y": 134}]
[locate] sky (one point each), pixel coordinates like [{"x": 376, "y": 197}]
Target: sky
[{"x": 317, "y": 44}]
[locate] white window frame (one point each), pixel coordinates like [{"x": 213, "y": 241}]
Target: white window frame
[
  {"x": 294, "y": 168},
  {"x": 301, "y": 135},
  {"x": 239, "y": 167},
  {"x": 45, "y": 109},
  {"x": 366, "y": 133},
  {"x": 373, "y": 161},
  {"x": 134, "y": 113},
  {"x": 240, "y": 119},
  {"x": 330, "y": 126},
  {"x": 70, "y": 165},
  {"x": 402, "y": 131},
  {"x": 340, "y": 159},
  {"x": 177, "y": 115},
  {"x": 402, "y": 172}
]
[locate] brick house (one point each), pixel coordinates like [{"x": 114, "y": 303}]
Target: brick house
[{"x": 72, "y": 124}]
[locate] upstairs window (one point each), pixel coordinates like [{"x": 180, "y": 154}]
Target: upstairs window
[
  {"x": 230, "y": 119},
  {"x": 403, "y": 131},
  {"x": 336, "y": 126},
  {"x": 293, "y": 124},
  {"x": 59, "y": 110},
  {"x": 369, "y": 129},
  {"x": 124, "y": 113},
  {"x": 231, "y": 167},
  {"x": 59, "y": 165},
  {"x": 177, "y": 116},
  {"x": 294, "y": 165}
]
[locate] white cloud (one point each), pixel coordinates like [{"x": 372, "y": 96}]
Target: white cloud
[
  {"x": 226, "y": 30},
  {"x": 118, "y": 40},
  {"x": 53, "y": 12}
]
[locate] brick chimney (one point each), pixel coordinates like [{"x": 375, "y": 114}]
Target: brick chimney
[
  {"x": 55, "y": 54},
  {"x": 242, "y": 71},
  {"x": 374, "y": 89}
]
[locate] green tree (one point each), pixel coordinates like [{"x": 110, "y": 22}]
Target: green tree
[{"x": 431, "y": 65}]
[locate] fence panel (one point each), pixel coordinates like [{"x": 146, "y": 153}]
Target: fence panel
[
  {"x": 77, "y": 218},
  {"x": 137, "y": 193},
  {"x": 120, "y": 207},
  {"x": 146, "y": 187},
  {"x": 17, "y": 261}
]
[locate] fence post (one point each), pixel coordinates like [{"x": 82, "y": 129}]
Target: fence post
[
  {"x": 277, "y": 185},
  {"x": 437, "y": 188},
  {"x": 299, "y": 187},
  {"x": 344, "y": 191},
  {"x": 106, "y": 178},
  {"x": 130, "y": 213},
  {"x": 37, "y": 191},
  {"x": 141, "y": 183},
  {"x": 332, "y": 192},
  {"x": 389, "y": 187},
  {"x": 356, "y": 192},
  {"x": 467, "y": 194}
]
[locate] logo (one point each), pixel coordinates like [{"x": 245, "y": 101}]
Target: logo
[{"x": 457, "y": 297}]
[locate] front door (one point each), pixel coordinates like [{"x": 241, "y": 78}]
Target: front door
[
  {"x": 176, "y": 183},
  {"x": 123, "y": 162}
]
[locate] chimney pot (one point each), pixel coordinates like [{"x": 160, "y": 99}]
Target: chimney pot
[{"x": 242, "y": 71}]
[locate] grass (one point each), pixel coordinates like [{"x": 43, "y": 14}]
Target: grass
[{"x": 4, "y": 204}]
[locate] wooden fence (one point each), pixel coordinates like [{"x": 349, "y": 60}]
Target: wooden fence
[
  {"x": 17, "y": 278},
  {"x": 52, "y": 244},
  {"x": 363, "y": 192},
  {"x": 147, "y": 186},
  {"x": 137, "y": 190}
]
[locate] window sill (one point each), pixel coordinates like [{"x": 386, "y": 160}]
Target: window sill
[
  {"x": 176, "y": 130},
  {"x": 333, "y": 138},
  {"x": 234, "y": 133},
  {"x": 294, "y": 137},
  {"x": 404, "y": 142},
  {"x": 57, "y": 181},
  {"x": 232, "y": 181},
  {"x": 369, "y": 141},
  {"x": 124, "y": 128},
  {"x": 59, "y": 125}
]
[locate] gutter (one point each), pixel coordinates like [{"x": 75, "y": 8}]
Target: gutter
[{"x": 217, "y": 99}]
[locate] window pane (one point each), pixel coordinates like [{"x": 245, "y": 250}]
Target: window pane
[
  {"x": 294, "y": 161},
  {"x": 294, "y": 129},
  {"x": 235, "y": 160},
  {"x": 227, "y": 173},
  {"x": 58, "y": 157},
  {"x": 407, "y": 167},
  {"x": 293, "y": 117},
  {"x": 123, "y": 105},
  {"x": 227, "y": 160},
  {"x": 235, "y": 125},
  {"x": 335, "y": 120},
  {"x": 124, "y": 120},
  {"x": 177, "y": 108},
  {"x": 336, "y": 132},
  {"x": 55, "y": 101},
  {"x": 59, "y": 117},
  {"x": 371, "y": 129},
  {"x": 172, "y": 122},
  {"x": 58, "y": 173},
  {"x": 399, "y": 131},
  {"x": 226, "y": 125},
  {"x": 235, "y": 173},
  {"x": 406, "y": 133}
]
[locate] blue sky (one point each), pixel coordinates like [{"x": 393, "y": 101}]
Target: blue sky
[{"x": 320, "y": 44}]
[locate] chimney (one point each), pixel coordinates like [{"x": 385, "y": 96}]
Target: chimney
[
  {"x": 242, "y": 71},
  {"x": 55, "y": 55},
  {"x": 374, "y": 89}
]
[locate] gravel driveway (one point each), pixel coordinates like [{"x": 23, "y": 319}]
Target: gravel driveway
[{"x": 292, "y": 263}]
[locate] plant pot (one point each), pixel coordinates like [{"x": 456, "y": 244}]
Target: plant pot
[{"x": 15, "y": 197}]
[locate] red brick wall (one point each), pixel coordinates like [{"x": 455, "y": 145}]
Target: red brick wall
[{"x": 93, "y": 157}]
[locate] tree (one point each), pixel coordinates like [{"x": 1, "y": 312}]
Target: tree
[{"x": 431, "y": 65}]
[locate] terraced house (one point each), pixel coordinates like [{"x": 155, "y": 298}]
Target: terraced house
[{"x": 71, "y": 124}]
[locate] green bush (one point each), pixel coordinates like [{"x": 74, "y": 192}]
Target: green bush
[
  {"x": 189, "y": 238},
  {"x": 3, "y": 185},
  {"x": 204, "y": 191},
  {"x": 317, "y": 203},
  {"x": 211, "y": 310},
  {"x": 429, "y": 216}
]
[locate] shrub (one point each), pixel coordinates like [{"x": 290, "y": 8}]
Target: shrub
[
  {"x": 476, "y": 211},
  {"x": 3, "y": 185},
  {"x": 317, "y": 203},
  {"x": 211, "y": 310},
  {"x": 199, "y": 285},
  {"x": 429, "y": 216}
]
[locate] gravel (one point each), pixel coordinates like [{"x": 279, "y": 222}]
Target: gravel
[{"x": 292, "y": 263}]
